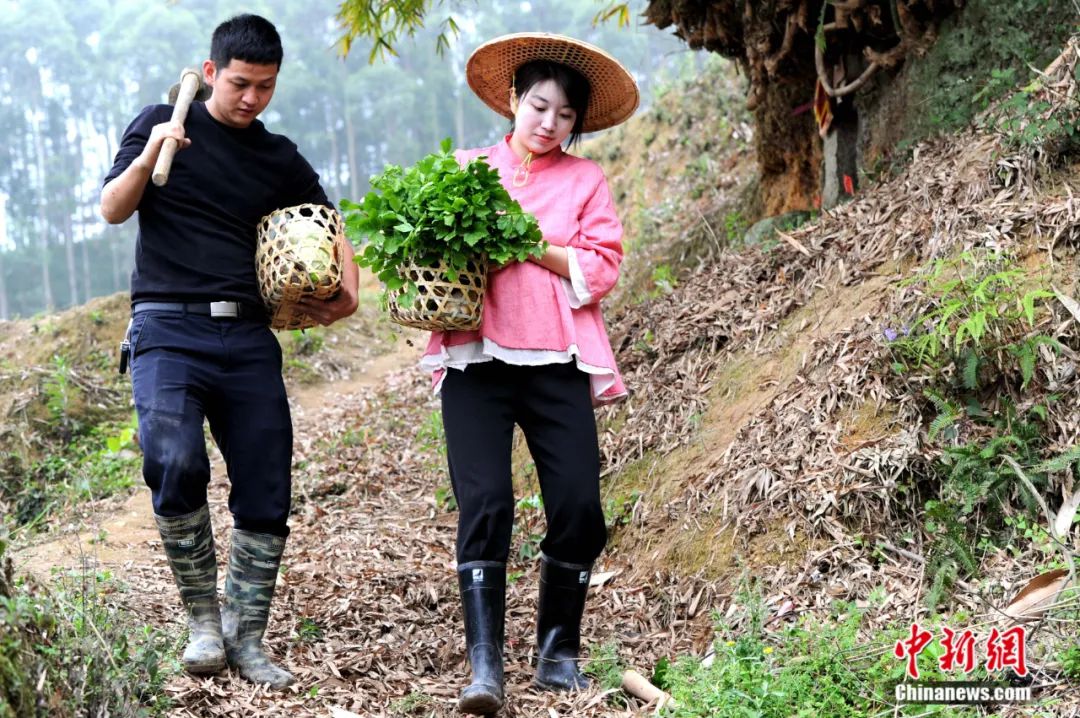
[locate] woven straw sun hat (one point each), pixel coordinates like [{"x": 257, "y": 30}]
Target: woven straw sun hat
[{"x": 613, "y": 93}]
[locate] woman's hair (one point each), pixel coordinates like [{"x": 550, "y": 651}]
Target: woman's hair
[{"x": 573, "y": 84}]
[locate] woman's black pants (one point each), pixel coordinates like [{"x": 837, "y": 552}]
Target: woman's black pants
[{"x": 553, "y": 406}]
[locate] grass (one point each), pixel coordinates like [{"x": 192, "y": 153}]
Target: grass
[
  {"x": 411, "y": 703},
  {"x": 815, "y": 668},
  {"x": 95, "y": 465},
  {"x": 66, "y": 650}
]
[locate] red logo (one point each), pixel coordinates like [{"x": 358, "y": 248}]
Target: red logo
[
  {"x": 1006, "y": 650},
  {"x": 1003, "y": 650},
  {"x": 912, "y": 647},
  {"x": 959, "y": 650}
]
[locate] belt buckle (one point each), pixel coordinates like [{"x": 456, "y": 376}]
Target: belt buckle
[{"x": 224, "y": 309}]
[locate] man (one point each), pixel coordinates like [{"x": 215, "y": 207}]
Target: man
[{"x": 199, "y": 344}]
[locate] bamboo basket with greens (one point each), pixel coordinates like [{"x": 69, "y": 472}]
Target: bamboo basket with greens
[{"x": 430, "y": 233}]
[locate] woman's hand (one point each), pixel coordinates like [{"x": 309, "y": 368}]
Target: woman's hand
[{"x": 554, "y": 259}]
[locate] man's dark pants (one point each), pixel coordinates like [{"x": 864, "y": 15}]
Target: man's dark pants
[{"x": 186, "y": 367}]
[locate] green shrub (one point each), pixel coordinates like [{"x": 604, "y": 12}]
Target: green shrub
[
  {"x": 980, "y": 54},
  {"x": 96, "y": 464},
  {"x": 1070, "y": 663},
  {"x": 817, "y": 668},
  {"x": 65, "y": 650},
  {"x": 605, "y": 666},
  {"x": 976, "y": 325},
  {"x": 971, "y": 346}
]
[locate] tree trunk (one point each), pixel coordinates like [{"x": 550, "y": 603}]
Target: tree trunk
[
  {"x": 4, "y": 311},
  {"x": 112, "y": 237},
  {"x": 69, "y": 258},
  {"x": 43, "y": 220},
  {"x": 73, "y": 219},
  {"x": 4, "y": 308},
  {"x": 83, "y": 216},
  {"x": 334, "y": 161},
  {"x": 459, "y": 115},
  {"x": 435, "y": 139},
  {"x": 85, "y": 252},
  {"x": 350, "y": 139}
]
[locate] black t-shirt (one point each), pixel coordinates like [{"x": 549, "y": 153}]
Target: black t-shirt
[{"x": 197, "y": 234}]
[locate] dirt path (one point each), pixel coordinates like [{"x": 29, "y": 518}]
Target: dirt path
[{"x": 366, "y": 613}]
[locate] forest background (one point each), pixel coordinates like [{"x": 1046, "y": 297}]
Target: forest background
[{"x": 73, "y": 73}]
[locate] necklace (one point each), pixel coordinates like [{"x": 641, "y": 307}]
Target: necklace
[{"x": 522, "y": 171}]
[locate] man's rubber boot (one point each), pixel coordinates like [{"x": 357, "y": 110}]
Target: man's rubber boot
[
  {"x": 249, "y": 589},
  {"x": 563, "y": 587},
  {"x": 189, "y": 546},
  {"x": 483, "y": 601}
]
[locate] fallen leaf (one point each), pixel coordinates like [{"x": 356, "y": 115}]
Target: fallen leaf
[
  {"x": 1069, "y": 303},
  {"x": 1034, "y": 598},
  {"x": 1066, "y": 514},
  {"x": 785, "y": 608},
  {"x": 599, "y": 579},
  {"x": 793, "y": 242},
  {"x": 341, "y": 713}
]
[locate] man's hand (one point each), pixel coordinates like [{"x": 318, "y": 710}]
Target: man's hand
[
  {"x": 158, "y": 135},
  {"x": 122, "y": 195},
  {"x": 342, "y": 304}
]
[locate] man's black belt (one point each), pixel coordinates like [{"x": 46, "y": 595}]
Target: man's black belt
[{"x": 218, "y": 310}]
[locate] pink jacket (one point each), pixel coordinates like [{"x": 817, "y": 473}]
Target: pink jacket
[{"x": 532, "y": 316}]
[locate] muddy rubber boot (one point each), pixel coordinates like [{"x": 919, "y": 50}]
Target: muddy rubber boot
[
  {"x": 189, "y": 546},
  {"x": 563, "y": 587},
  {"x": 483, "y": 602},
  {"x": 249, "y": 588}
]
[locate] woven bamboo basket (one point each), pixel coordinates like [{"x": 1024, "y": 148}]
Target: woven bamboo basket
[
  {"x": 441, "y": 303},
  {"x": 290, "y": 264}
]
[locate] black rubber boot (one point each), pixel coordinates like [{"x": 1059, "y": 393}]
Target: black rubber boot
[
  {"x": 483, "y": 602},
  {"x": 563, "y": 587}
]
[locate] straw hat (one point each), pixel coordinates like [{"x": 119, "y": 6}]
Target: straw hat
[{"x": 490, "y": 71}]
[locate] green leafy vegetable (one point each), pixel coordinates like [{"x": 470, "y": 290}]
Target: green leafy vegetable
[{"x": 438, "y": 209}]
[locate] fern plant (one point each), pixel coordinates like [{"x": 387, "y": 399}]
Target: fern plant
[
  {"x": 948, "y": 413},
  {"x": 1066, "y": 460},
  {"x": 974, "y": 482},
  {"x": 950, "y": 556},
  {"x": 973, "y": 473}
]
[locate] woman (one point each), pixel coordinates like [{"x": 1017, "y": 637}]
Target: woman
[{"x": 541, "y": 358}]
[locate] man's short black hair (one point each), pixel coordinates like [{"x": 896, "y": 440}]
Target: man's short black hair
[{"x": 248, "y": 38}]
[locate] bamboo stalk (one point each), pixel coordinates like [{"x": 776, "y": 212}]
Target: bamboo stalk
[{"x": 639, "y": 686}]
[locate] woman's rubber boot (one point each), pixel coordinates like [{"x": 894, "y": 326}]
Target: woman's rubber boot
[
  {"x": 189, "y": 546},
  {"x": 483, "y": 602},
  {"x": 249, "y": 589},
  {"x": 563, "y": 587}
]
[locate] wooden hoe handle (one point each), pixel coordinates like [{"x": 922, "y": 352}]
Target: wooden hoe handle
[{"x": 189, "y": 85}]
